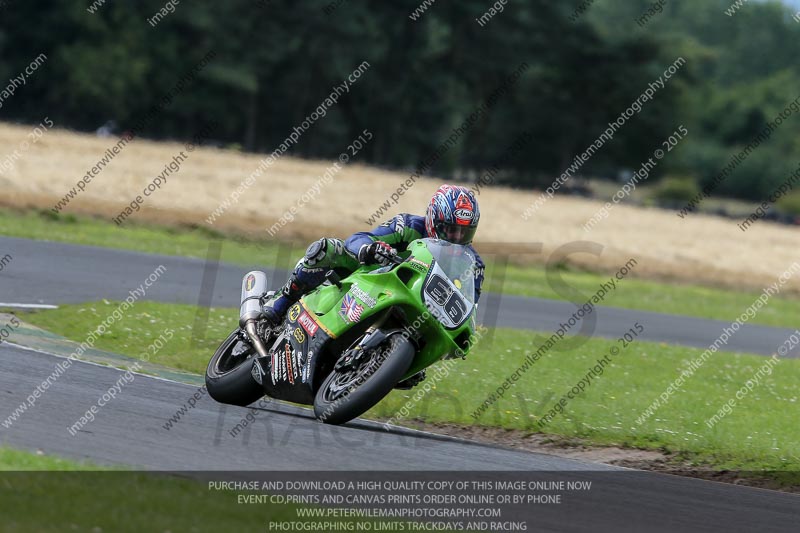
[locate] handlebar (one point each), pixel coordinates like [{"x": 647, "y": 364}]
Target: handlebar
[{"x": 396, "y": 259}]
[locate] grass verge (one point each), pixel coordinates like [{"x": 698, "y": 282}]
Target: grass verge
[
  {"x": 16, "y": 460},
  {"x": 44, "y": 493},
  {"x": 759, "y": 434},
  {"x": 643, "y": 295}
]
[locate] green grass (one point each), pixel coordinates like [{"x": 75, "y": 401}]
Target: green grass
[
  {"x": 761, "y": 433},
  {"x": 141, "y": 325},
  {"x": 55, "y": 498},
  {"x": 678, "y": 299},
  {"x": 16, "y": 460},
  {"x": 165, "y": 240}
]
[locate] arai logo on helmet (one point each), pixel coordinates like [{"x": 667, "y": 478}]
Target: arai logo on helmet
[{"x": 464, "y": 214}]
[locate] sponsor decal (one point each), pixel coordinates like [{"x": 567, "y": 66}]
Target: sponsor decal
[
  {"x": 297, "y": 366},
  {"x": 282, "y": 366},
  {"x": 423, "y": 264},
  {"x": 299, "y": 336},
  {"x": 288, "y": 371},
  {"x": 307, "y": 366},
  {"x": 294, "y": 312},
  {"x": 350, "y": 311},
  {"x": 464, "y": 214},
  {"x": 257, "y": 372},
  {"x": 363, "y": 295},
  {"x": 250, "y": 282},
  {"x": 416, "y": 266},
  {"x": 308, "y": 324},
  {"x": 274, "y": 367},
  {"x": 399, "y": 224}
]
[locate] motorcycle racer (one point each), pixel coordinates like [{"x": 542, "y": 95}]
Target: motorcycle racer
[{"x": 452, "y": 215}]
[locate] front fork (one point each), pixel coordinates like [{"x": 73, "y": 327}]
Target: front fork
[{"x": 372, "y": 338}]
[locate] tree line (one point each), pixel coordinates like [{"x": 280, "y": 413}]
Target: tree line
[{"x": 274, "y": 61}]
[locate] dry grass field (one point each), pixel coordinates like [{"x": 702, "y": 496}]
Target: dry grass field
[{"x": 699, "y": 249}]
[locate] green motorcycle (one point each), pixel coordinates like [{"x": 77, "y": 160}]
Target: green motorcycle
[{"x": 347, "y": 344}]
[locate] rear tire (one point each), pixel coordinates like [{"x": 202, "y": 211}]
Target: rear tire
[
  {"x": 358, "y": 398},
  {"x": 229, "y": 380}
]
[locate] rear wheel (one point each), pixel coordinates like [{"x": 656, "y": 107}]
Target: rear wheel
[
  {"x": 229, "y": 377},
  {"x": 346, "y": 394}
]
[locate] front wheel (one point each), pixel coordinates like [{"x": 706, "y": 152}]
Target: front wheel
[
  {"x": 344, "y": 395},
  {"x": 229, "y": 377}
]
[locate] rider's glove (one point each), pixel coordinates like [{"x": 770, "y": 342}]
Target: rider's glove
[{"x": 378, "y": 253}]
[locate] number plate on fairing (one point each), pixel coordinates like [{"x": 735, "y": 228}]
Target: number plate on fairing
[{"x": 445, "y": 300}]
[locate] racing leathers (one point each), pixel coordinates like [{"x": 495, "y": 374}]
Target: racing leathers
[{"x": 344, "y": 257}]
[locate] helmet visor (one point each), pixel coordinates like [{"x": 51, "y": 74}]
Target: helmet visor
[{"x": 455, "y": 233}]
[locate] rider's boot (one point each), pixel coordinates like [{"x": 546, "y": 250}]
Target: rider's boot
[
  {"x": 274, "y": 309},
  {"x": 320, "y": 256}
]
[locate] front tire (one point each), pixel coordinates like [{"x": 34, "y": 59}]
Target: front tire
[
  {"x": 229, "y": 377},
  {"x": 343, "y": 397}
]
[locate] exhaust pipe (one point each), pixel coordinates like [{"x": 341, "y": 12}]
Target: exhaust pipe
[{"x": 254, "y": 286}]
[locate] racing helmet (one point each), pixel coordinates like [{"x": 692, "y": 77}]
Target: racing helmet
[{"x": 452, "y": 215}]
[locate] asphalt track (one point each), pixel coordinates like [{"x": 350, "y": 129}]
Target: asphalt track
[
  {"x": 130, "y": 430},
  {"x": 56, "y": 273}
]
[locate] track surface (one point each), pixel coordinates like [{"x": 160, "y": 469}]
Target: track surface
[
  {"x": 56, "y": 273},
  {"x": 129, "y": 430}
]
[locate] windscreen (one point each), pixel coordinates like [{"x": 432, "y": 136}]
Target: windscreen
[
  {"x": 449, "y": 290},
  {"x": 457, "y": 262}
]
